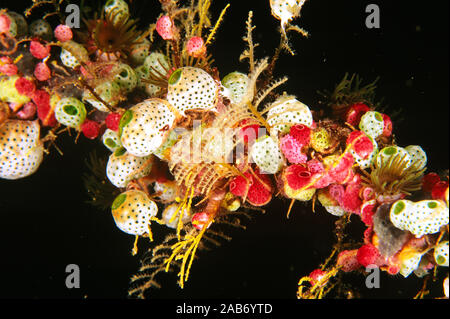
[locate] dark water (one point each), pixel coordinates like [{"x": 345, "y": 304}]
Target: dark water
[{"x": 46, "y": 225}]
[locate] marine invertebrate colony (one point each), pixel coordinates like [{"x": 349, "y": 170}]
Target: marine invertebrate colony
[{"x": 192, "y": 148}]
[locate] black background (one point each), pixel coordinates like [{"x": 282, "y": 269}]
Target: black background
[{"x": 46, "y": 224}]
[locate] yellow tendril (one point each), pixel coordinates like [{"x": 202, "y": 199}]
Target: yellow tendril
[
  {"x": 185, "y": 251},
  {"x": 134, "y": 251},
  {"x": 319, "y": 289},
  {"x": 202, "y": 12},
  {"x": 216, "y": 26}
]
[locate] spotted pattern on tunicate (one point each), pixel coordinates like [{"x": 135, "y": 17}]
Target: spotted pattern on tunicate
[
  {"x": 387, "y": 152},
  {"x": 123, "y": 167},
  {"x": 157, "y": 64},
  {"x": 364, "y": 163},
  {"x": 320, "y": 139},
  {"x": 12, "y": 25},
  {"x": 236, "y": 84},
  {"x": 142, "y": 74},
  {"x": 21, "y": 152},
  {"x": 285, "y": 112},
  {"x": 163, "y": 152},
  {"x": 192, "y": 88},
  {"x": 267, "y": 155},
  {"x": 285, "y": 10},
  {"x": 118, "y": 9},
  {"x": 70, "y": 112},
  {"x": 133, "y": 212},
  {"x": 417, "y": 155},
  {"x": 68, "y": 59},
  {"x": 73, "y": 53},
  {"x": 335, "y": 210},
  {"x": 125, "y": 76},
  {"x": 148, "y": 127},
  {"x": 372, "y": 124},
  {"x": 111, "y": 140},
  {"x": 107, "y": 91},
  {"x": 139, "y": 52},
  {"x": 302, "y": 195},
  {"x": 20, "y": 22},
  {"x": 157, "y": 61},
  {"x": 420, "y": 218},
  {"x": 41, "y": 29},
  {"x": 441, "y": 253},
  {"x": 167, "y": 191}
]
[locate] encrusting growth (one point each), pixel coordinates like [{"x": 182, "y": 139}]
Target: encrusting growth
[{"x": 192, "y": 150}]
